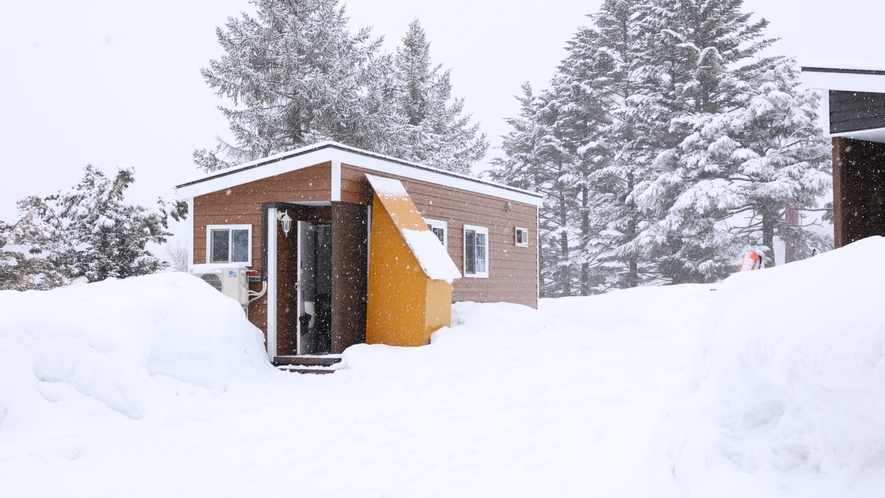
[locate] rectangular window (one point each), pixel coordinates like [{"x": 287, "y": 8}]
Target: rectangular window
[
  {"x": 476, "y": 262},
  {"x": 440, "y": 229},
  {"x": 522, "y": 237},
  {"x": 229, "y": 244}
]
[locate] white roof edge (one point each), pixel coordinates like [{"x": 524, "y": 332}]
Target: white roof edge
[
  {"x": 863, "y": 66},
  {"x": 844, "y": 77},
  {"x": 332, "y": 151},
  {"x": 871, "y": 135}
]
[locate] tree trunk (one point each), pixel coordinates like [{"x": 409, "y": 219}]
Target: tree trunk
[
  {"x": 565, "y": 276},
  {"x": 769, "y": 219},
  {"x": 585, "y": 238}
]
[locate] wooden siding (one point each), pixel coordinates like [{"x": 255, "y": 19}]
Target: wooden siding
[
  {"x": 350, "y": 231},
  {"x": 513, "y": 272},
  {"x": 854, "y": 111},
  {"x": 858, "y": 190},
  {"x": 242, "y": 204}
]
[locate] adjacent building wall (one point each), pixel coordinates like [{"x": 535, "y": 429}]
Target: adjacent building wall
[{"x": 858, "y": 190}]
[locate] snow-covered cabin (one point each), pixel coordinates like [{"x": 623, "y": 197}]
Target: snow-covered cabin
[
  {"x": 854, "y": 116},
  {"x": 359, "y": 246}
]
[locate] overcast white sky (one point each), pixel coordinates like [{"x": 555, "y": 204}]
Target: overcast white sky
[{"x": 111, "y": 82}]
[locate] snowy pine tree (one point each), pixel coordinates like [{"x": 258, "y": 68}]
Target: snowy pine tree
[
  {"x": 435, "y": 131},
  {"x": 90, "y": 232},
  {"x": 535, "y": 159},
  {"x": 666, "y": 146},
  {"x": 703, "y": 52},
  {"x": 781, "y": 160},
  {"x": 23, "y": 263},
  {"x": 522, "y": 165},
  {"x": 296, "y": 75},
  {"x": 580, "y": 91}
]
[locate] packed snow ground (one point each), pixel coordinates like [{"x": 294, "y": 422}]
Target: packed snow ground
[{"x": 769, "y": 384}]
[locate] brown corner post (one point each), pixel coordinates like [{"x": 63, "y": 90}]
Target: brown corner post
[{"x": 839, "y": 180}]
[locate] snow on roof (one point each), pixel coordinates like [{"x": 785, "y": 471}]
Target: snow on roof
[
  {"x": 387, "y": 186},
  {"x": 338, "y": 154},
  {"x": 430, "y": 253}
]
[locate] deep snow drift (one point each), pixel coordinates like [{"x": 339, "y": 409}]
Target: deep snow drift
[{"x": 771, "y": 383}]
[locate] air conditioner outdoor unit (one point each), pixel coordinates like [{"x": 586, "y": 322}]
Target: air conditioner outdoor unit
[{"x": 230, "y": 280}]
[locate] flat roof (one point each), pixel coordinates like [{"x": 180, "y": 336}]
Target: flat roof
[{"x": 337, "y": 153}]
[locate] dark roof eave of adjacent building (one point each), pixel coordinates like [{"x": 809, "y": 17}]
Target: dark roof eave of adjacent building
[{"x": 840, "y": 70}]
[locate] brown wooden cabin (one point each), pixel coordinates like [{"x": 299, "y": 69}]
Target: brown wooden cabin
[
  {"x": 854, "y": 115},
  {"x": 234, "y": 216}
]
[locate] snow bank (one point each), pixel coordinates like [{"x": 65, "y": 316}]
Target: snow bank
[
  {"x": 772, "y": 385},
  {"x": 789, "y": 386},
  {"x": 107, "y": 340}
]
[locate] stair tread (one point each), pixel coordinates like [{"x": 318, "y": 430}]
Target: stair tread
[
  {"x": 307, "y": 360},
  {"x": 308, "y": 370}
]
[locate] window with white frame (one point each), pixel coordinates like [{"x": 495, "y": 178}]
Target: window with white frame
[
  {"x": 229, "y": 244},
  {"x": 440, "y": 229},
  {"x": 476, "y": 251},
  {"x": 521, "y": 237}
]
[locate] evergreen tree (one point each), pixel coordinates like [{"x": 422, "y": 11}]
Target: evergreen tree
[
  {"x": 296, "y": 75},
  {"x": 703, "y": 52},
  {"x": 522, "y": 165},
  {"x": 581, "y": 92},
  {"x": 781, "y": 160},
  {"x": 23, "y": 264},
  {"x": 637, "y": 121},
  {"x": 435, "y": 131},
  {"x": 88, "y": 231},
  {"x": 665, "y": 146}
]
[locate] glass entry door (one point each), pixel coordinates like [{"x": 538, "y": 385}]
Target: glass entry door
[{"x": 306, "y": 288}]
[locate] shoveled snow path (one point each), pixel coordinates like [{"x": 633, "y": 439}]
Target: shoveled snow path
[{"x": 509, "y": 402}]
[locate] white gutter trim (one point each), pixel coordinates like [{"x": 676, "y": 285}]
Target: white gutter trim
[
  {"x": 190, "y": 233},
  {"x": 336, "y": 180},
  {"x": 332, "y": 152},
  {"x": 271, "y": 283}
]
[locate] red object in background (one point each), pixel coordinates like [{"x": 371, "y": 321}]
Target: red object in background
[{"x": 751, "y": 261}]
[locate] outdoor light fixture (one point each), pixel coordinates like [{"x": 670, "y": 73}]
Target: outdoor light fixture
[
  {"x": 509, "y": 207},
  {"x": 286, "y": 221}
]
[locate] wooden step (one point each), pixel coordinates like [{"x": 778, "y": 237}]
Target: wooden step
[
  {"x": 308, "y": 364},
  {"x": 307, "y": 360},
  {"x": 314, "y": 371}
]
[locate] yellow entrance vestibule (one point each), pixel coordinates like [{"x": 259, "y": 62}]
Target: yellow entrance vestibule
[{"x": 410, "y": 272}]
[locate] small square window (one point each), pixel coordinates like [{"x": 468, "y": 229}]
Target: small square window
[
  {"x": 440, "y": 229},
  {"x": 521, "y": 237},
  {"x": 229, "y": 244}
]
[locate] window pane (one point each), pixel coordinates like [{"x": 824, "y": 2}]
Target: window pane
[
  {"x": 240, "y": 246},
  {"x": 440, "y": 234},
  {"x": 470, "y": 252},
  {"x": 220, "y": 246},
  {"x": 480, "y": 253}
]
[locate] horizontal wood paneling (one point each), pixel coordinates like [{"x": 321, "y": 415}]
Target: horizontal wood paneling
[
  {"x": 854, "y": 111},
  {"x": 512, "y": 270},
  {"x": 242, "y": 204}
]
